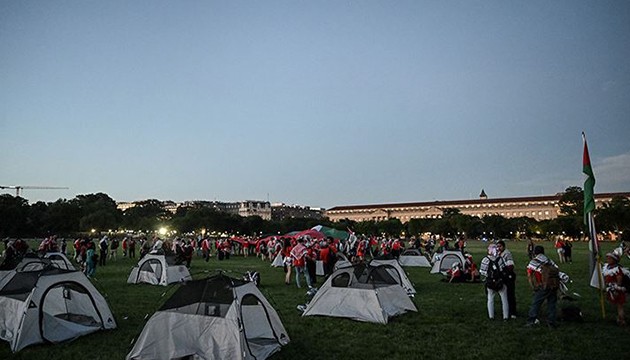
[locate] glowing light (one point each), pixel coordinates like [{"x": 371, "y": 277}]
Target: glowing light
[{"x": 162, "y": 231}]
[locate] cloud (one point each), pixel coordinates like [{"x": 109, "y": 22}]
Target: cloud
[{"x": 612, "y": 173}]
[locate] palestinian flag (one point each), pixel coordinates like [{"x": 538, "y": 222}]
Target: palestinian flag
[
  {"x": 589, "y": 206},
  {"x": 589, "y": 183}
]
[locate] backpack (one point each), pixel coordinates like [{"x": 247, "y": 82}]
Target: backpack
[
  {"x": 252, "y": 276},
  {"x": 550, "y": 276},
  {"x": 494, "y": 280}
]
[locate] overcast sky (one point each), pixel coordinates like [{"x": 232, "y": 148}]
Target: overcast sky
[{"x": 318, "y": 103}]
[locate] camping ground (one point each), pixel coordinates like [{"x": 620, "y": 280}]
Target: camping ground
[{"x": 451, "y": 322}]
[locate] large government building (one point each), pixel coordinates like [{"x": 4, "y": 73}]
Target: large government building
[{"x": 537, "y": 207}]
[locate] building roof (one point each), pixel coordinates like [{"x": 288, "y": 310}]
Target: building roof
[{"x": 468, "y": 202}]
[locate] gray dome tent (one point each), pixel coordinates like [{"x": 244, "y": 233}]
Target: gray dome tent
[
  {"x": 413, "y": 257},
  {"x": 50, "y": 305},
  {"x": 157, "y": 269},
  {"x": 444, "y": 261},
  {"x": 214, "y": 318},
  {"x": 362, "y": 293}
]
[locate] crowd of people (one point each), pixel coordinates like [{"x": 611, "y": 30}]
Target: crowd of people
[{"x": 299, "y": 256}]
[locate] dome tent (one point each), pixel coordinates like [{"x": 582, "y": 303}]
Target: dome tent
[
  {"x": 214, "y": 318},
  {"x": 158, "y": 270},
  {"x": 395, "y": 270},
  {"x": 444, "y": 261},
  {"x": 361, "y": 293},
  {"x": 413, "y": 257},
  {"x": 50, "y": 305}
]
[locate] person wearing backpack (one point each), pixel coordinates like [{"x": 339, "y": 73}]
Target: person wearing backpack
[
  {"x": 510, "y": 276},
  {"x": 543, "y": 277},
  {"x": 615, "y": 277},
  {"x": 493, "y": 268}
]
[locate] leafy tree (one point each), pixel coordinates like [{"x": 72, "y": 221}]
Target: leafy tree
[
  {"x": 392, "y": 227},
  {"x": 569, "y": 225},
  {"x": 614, "y": 215},
  {"x": 62, "y": 217},
  {"x": 14, "y": 212},
  {"x": 98, "y": 211},
  {"x": 146, "y": 215},
  {"x": 368, "y": 227},
  {"x": 497, "y": 226},
  {"x": 418, "y": 226},
  {"x": 572, "y": 201}
]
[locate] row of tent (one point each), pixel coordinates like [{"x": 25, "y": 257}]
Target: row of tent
[{"x": 48, "y": 300}]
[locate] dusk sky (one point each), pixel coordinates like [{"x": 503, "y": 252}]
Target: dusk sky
[{"x": 319, "y": 103}]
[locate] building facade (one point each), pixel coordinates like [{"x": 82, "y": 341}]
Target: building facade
[
  {"x": 242, "y": 208},
  {"x": 537, "y": 207},
  {"x": 281, "y": 211}
]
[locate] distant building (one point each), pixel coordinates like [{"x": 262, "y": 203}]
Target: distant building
[
  {"x": 168, "y": 205},
  {"x": 281, "y": 211},
  {"x": 537, "y": 207},
  {"x": 254, "y": 208},
  {"x": 122, "y": 206},
  {"x": 242, "y": 208}
]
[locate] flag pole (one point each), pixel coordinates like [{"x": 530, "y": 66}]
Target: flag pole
[
  {"x": 598, "y": 264},
  {"x": 589, "y": 207}
]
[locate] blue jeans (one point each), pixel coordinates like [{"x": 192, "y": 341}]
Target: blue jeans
[
  {"x": 302, "y": 270},
  {"x": 540, "y": 296}
]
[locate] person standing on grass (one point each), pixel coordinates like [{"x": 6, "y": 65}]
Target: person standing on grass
[
  {"x": 90, "y": 263},
  {"x": 298, "y": 258},
  {"x": 530, "y": 249},
  {"x": 613, "y": 274},
  {"x": 113, "y": 249},
  {"x": 288, "y": 261},
  {"x": 542, "y": 287},
  {"x": 559, "y": 245},
  {"x": 510, "y": 276},
  {"x": 125, "y": 241},
  {"x": 103, "y": 246},
  {"x": 77, "y": 249},
  {"x": 132, "y": 248},
  {"x": 568, "y": 249},
  {"x": 493, "y": 269},
  {"x": 205, "y": 249}
]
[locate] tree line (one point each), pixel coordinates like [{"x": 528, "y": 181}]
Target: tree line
[{"x": 98, "y": 212}]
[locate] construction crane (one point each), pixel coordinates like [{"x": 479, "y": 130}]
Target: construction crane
[{"x": 19, "y": 188}]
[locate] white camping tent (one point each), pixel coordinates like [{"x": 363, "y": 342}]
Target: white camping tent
[
  {"x": 50, "y": 305},
  {"x": 158, "y": 270},
  {"x": 33, "y": 262},
  {"x": 396, "y": 271},
  {"x": 445, "y": 260},
  {"x": 413, "y": 257},
  {"x": 278, "y": 261},
  {"x": 214, "y": 318},
  {"x": 360, "y": 293},
  {"x": 59, "y": 260},
  {"x": 342, "y": 261}
]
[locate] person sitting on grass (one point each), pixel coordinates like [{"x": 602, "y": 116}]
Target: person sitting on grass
[
  {"x": 470, "y": 268},
  {"x": 455, "y": 274}
]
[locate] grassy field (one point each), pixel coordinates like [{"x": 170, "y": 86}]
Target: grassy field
[{"x": 451, "y": 322}]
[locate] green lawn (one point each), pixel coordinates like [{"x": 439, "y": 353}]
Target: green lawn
[{"x": 451, "y": 322}]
